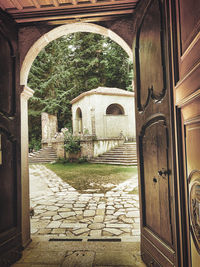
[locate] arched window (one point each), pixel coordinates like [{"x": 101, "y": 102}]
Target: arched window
[
  {"x": 78, "y": 113},
  {"x": 115, "y": 109},
  {"x": 79, "y": 125}
]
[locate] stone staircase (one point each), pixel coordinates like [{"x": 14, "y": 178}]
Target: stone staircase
[
  {"x": 122, "y": 155},
  {"x": 44, "y": 155}
]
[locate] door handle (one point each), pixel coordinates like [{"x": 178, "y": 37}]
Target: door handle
[{"x": 163, "y": 173}]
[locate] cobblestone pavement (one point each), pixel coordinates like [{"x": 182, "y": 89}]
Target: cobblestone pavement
[{"x": 62, "y": 212}]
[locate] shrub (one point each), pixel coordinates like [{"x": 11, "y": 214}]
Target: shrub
[
  {"x": 82, "y": 160},
  {"x": 34, "y": 144},
  {"x": 71, "y": 142}
]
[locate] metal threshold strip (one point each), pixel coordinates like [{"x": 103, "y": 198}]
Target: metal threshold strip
[{"x": 88, "y": 239}]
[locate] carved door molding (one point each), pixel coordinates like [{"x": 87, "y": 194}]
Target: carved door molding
[
  {"x": 145, "y": 54},
  {"x": 194, "y": 206}
]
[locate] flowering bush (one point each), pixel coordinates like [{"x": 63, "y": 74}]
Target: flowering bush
[{"x": 71, "y": 142}]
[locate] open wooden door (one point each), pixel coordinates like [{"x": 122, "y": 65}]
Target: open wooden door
[
  {"x": 187, "y": 91},
  {"x": 154, "y": 116},
  {"x": 10, "y": 232}
]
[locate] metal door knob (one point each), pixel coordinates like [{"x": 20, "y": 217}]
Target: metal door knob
[{"x": 163, "y": 173}]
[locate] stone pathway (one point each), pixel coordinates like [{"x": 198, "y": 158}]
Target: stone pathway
[{"x": 62, "y": 212}]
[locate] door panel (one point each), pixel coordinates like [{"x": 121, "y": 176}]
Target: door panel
[
  {"x": 155, "y": 134},
  {"x": 10, "y": 199},
  {"x": 7, "y": 76},
  {"x": 151, "y": 81},
  {"x": 7, "y": 182},
  {"x": 155, "y": 192}
]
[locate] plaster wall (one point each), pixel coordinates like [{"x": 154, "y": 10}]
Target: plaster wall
[
  {"x": 114, "y": 124},
  {"x": 86, "y": 105},
  {"x": 106, "y": 126}
]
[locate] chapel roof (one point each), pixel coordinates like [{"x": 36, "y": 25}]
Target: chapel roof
[{"x": 104, "y": 91}]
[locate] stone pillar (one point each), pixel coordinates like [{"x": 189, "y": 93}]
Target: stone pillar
[
  {"x": 25, "y": 95},
  {"x": 49, "y": 127}
]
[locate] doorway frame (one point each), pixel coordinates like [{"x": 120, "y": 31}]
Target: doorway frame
[{"x": 27, "y": 92}]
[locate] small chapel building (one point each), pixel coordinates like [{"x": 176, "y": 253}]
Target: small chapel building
[{"x": 105, "y": 113}]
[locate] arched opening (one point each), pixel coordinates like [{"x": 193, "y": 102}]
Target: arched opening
[
  {"x": 115, "y": 109},
  {"x": 64, "y": 30},
  {"x": 78, "y": 124},
  {"x": 30, "y": 57}
]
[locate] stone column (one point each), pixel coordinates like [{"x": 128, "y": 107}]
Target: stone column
[
  {"x": 25, "y": 95},
  {"x": 93, "y": 121}
]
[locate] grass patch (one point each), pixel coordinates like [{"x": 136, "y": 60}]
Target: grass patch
[{"x": 86, "y": 176}]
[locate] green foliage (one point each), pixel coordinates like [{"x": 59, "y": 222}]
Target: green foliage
[
  {"x": 82, "y": 160},
  {"x": 34, "y": 144},
  {"x": 71, "y": 142},
  {"x": 34, "y": 130},
  {"x": 61, "y": 161},
  {"x": 69, "y": 66}
]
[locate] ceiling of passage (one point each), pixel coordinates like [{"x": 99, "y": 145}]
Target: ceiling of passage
[{"x": 64, "y": 11}]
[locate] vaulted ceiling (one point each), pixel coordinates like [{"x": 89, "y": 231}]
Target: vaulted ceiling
[{"x": 63, "y": 11}]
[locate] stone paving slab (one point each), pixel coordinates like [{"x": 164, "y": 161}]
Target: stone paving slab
[{"x": 61, "y": 211}]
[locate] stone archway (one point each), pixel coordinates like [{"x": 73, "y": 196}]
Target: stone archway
[
  {"x": 64, "y": 30},
  {"x": 28, "y": 92}
]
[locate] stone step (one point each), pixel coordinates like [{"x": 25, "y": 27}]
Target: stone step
[
  {"x": 115, "y": 159},
  {"x": 122, "y": 151},
  {"x": 114, "y": 163},
  {"x": 44, "y": 155},
  {"x": 122, "y": 155},
  {"x": 134, "y": 163}
]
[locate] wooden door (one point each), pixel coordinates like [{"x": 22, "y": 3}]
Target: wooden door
[
  {"x": 187, "y": 84},
  {"x": 10, "y": 232},
  {"x": 154, "y": 117}
]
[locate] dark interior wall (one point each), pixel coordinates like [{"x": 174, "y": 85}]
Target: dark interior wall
[
  {"x": 122, "y": 27},
  {"x": 10, "y": 165},
  {"x": 28, "y": 36}
]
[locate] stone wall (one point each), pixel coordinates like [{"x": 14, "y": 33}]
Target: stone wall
[
  {"x": 93, "y": 148},
  {"x": 90, "y": 147}
]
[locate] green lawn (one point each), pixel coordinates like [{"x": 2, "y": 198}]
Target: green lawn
[{"x": 92, "y": 176}]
